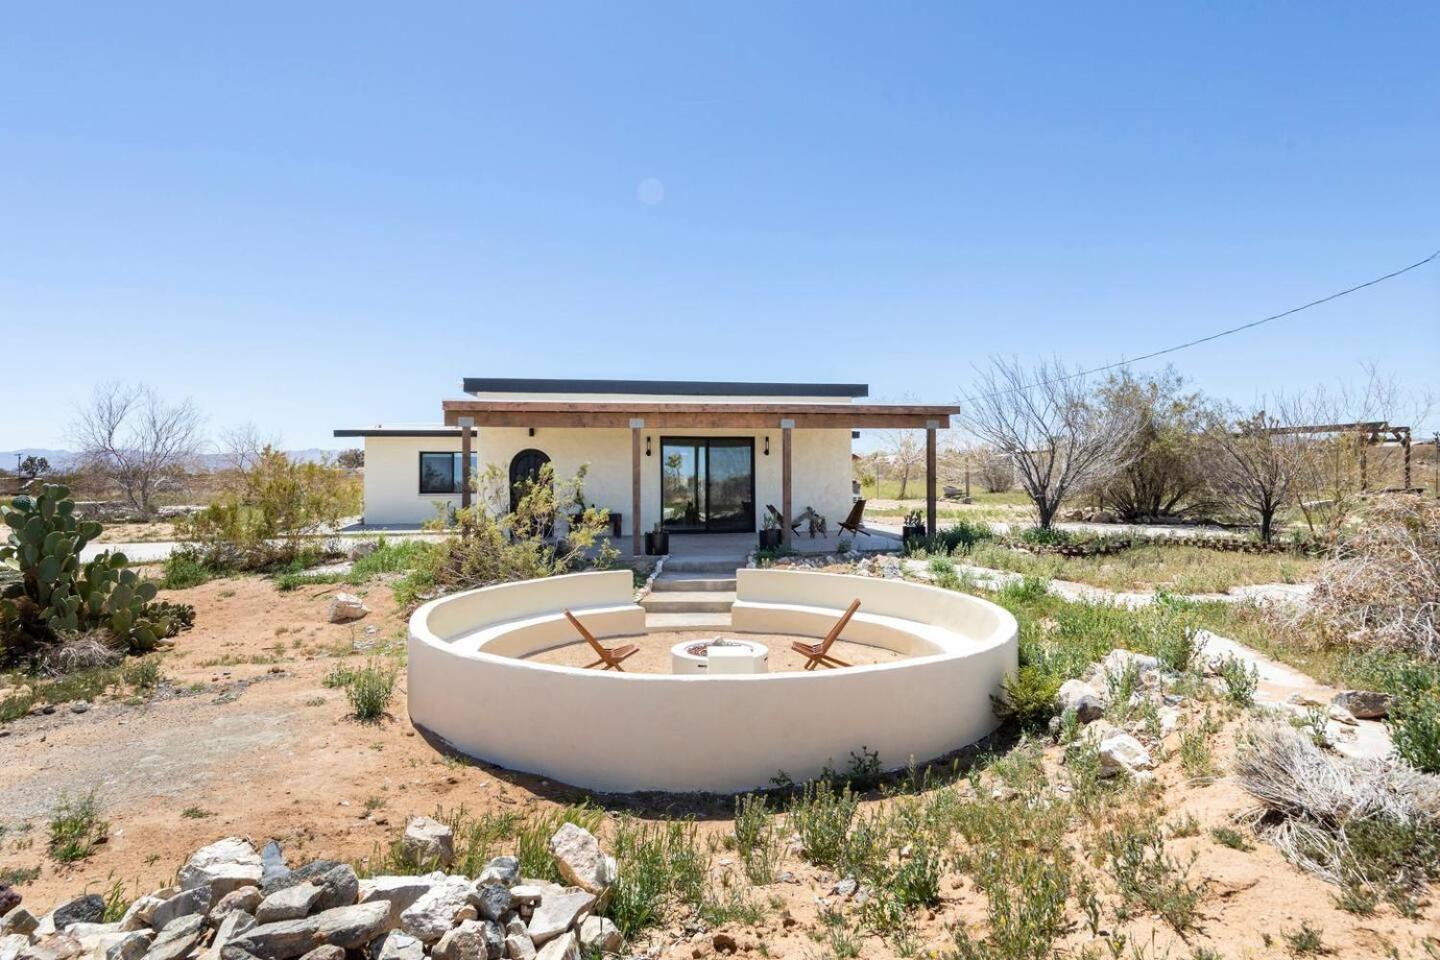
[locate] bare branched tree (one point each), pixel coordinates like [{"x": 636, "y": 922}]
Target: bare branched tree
[
  {"x": 904, "y": 452},
  {"x": 993, "y": 469},
  {"x": 1253, "y": 461},
  {"x": 1045, "y": 421},
  {"x": 131, "y": 437}
]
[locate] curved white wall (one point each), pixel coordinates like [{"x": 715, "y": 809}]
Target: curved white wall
[{"x": 624, "y": 732}]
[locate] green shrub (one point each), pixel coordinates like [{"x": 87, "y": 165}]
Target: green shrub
[
  {"x": 184, "y": 569},
  {"x": 1027, "y": 696},
  {"x": 370, "y": 690},
  {"x": 271, "y": 515},
  {"x": 1240, "y": 679},
  {"x": 1146, "y": 875},
  {"x": 1414, "y": 717},
  {"x": 142, "y": 674},
  {"x": 822, "y": 817},
  {"x": 76, "y": 827}
]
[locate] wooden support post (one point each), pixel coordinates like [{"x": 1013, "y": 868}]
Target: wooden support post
[
  {"x": 967, "y": 478},
  {"x": 930, "y": 476},
  {"x": 1364, "y": 463},
  {"x": 467, "y": 427},
  {"x": 786, "y": 507},
  {"x": 635, "y": 427},
  {"x": 1405, "y": 443}
]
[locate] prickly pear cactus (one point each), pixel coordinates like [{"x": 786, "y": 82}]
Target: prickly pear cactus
[
  {"x": 54, "y": 590},
  {"x": 44, "y": 545}
]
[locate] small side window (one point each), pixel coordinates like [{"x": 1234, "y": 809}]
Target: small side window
[{"x": 441, "y": 472}]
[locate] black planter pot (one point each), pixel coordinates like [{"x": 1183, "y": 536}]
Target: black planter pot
[
  {"x": 913, "y": 534},
  {"x": 770, "y": 539},
  {"x": 657, "y": 544}
]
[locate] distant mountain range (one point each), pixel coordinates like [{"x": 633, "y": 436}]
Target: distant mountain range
[{"x": 65, "y": 459}]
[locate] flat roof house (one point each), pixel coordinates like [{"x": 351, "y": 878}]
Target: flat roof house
[{"x": 695, "y": 457}]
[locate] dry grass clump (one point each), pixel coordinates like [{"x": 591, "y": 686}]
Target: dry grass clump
[
  {"x": 91, "y": 650},
  {"x": 1371, "y": 828},
  {"x": 1382, "y": 591}
]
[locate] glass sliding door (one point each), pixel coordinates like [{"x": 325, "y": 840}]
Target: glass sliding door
[{"x": 707, "y": 484}]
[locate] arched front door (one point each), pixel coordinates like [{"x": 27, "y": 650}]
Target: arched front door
[{"x": 524, "y": 467}]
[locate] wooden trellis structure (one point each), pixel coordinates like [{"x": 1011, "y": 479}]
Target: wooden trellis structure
[{"x": 1371, "y": 433}]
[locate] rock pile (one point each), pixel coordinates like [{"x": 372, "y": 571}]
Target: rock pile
[
  {"x": 1136, "y": 676},
  {"x": 232, "y": 902}
]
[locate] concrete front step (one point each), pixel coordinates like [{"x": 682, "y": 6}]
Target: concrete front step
[
  {"x": 702, "y": 565},
  {"x": 666, "y": 583},
  {"x": 687, "y": 621},
  {"x": 689, "y": 601}
]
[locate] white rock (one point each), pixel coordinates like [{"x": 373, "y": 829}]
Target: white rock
[
  {"x": 399, "y": 892},
  {"x": 564, "y": 947},
  {"x": 464, "y": 942},
  {"x": 1082, "y": 698},
  {"x": 345, "y": 607},
  {"x": 428, "y": 841},
  {"x": 1118, "y": 661},
  {"x": 519, "y": 946},
  {"x": 1122, "y": 753},
  {"x": 557, "y": 913},
  {"x": 291, "y": 903},
  {"x": 397, "y": 945},
  {"x": 428, "y": 918},
  {"x": 1169, "y": 720},
  {"x": 581, "y": 861},
  {"x": 225, "y": 865},
  {"x": 18, "y": 920},
  {"x": 598, "y": 933},
  {"x": 1340, "y": 715},
  {"x": 11, "y": 944}
]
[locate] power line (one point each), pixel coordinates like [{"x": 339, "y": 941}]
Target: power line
[{"x": 1214, "y": 336}]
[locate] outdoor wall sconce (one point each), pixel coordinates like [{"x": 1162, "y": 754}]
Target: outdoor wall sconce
[
  {"x": 532, "y": 431},
  {"x": 647, "y": 446},
  {"x": 767, "y": 444}
]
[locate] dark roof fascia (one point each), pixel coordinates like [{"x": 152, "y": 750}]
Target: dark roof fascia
[
  {"x": 383, "y": 432},
  {"x": 680, "y": 388}
]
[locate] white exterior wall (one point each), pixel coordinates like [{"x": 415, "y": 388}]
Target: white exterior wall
[{"x": 821, "y": 462}]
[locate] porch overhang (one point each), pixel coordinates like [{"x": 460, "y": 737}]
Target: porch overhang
[{"x": 753, "y": 416}]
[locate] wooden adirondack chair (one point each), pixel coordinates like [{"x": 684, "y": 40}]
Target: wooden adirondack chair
[
  {"x": 780, "y": 518},
  {"x": 612, "y": 657},
  {"x": 818, "y": 654},
  {"x": 852, "y": 522}
]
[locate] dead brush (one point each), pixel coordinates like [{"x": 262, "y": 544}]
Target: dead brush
[
  {"x": 1371, "y": 828},
  {"x": 92, "y": 650},
  {"x": 1382, "y": 590}
]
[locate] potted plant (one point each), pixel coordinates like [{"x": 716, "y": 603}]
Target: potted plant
[
  {"x": 657, "y": 541},
  {"x": 769, "y": 532},
  {"x": 914, "y": 529}
]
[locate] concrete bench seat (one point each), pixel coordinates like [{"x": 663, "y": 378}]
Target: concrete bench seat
[
  {"x": 909, "y": 638},
  {"x": 526, "y": 635}
]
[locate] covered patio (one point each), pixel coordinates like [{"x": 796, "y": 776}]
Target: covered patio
[{"x": 644, "y": 419}]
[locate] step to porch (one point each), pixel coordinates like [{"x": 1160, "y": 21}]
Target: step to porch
[
  {"x": 688, "y": 601},
  {"x": 682, "y": 564},
  {"x": 690, "y": 582},
  {"x": 687, "y": 621}
]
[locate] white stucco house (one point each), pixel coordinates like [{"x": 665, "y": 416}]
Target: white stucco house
[{"x": 694, "y": 457}]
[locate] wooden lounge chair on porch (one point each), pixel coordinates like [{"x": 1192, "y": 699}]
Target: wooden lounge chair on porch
[
  {"x": 612, "y": 657},
  {"x": 780, "y": 518},
  {"x": 852, "y": 522},
  {"x": 818, "y": 654}
]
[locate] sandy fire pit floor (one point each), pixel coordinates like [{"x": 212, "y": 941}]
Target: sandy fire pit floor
[{"x": 654, "y": 655}]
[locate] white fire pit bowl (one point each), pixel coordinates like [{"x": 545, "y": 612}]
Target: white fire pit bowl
[{"x": 719, "y": 656}]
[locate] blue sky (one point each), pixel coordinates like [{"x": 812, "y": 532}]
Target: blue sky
[{"x": 310, "y": 215}]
